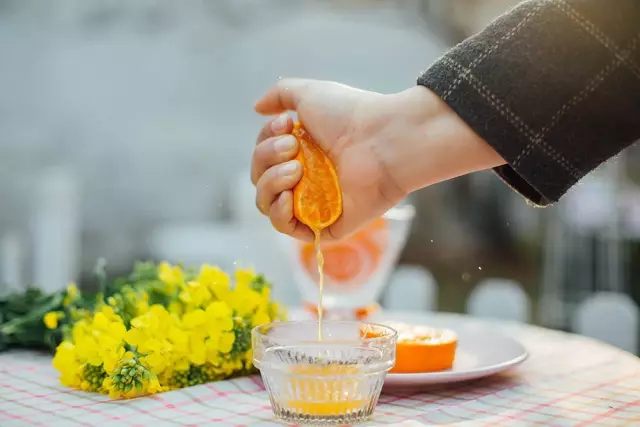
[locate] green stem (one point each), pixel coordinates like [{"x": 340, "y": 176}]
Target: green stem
[{"x": 36, "y": 315}]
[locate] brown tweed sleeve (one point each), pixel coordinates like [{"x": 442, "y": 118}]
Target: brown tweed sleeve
[{"x": 553, "y": 86}]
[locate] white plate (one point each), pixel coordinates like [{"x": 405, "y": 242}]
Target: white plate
[{"x": 482, "y": 351}]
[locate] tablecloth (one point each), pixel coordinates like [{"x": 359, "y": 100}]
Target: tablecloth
[{"x": 567, "y": 381}]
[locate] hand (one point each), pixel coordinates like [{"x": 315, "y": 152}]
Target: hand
[
  {"x": 343, "y": 121},
  {"x": 383, "y": 147}
]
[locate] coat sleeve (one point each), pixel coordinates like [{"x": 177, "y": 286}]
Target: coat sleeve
[{"x": 552, "y": 85}]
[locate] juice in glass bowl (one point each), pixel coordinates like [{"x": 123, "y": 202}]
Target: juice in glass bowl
[{"x": 336, "y": 380}]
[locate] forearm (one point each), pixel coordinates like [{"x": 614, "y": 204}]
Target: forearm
[{"x": 427, "y": 142}]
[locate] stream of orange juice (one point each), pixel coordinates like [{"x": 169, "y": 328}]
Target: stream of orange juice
[
  {"x": 325, "y": 390},
  {"x": 320, "y": 261}
]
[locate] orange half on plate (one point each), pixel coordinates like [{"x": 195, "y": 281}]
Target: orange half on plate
[{"x": 422, "y": 348}]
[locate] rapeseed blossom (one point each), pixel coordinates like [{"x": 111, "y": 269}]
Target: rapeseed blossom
[{"x": 165, "y": 330}]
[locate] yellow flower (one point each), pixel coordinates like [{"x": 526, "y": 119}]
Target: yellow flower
[
  {"x": 142, "y": 306},
  {"x": 195, "y": 294},
  {"x": 72, "y": 294},
  {"x": 171, "y": 276},
  {"x": 66, "y": 363},
  {"x": 111, "y": 356},
  {"x": 100, "y": 339},
  {"x": 198, "y": 349},
  {"x": 178, "y": 337},
  {"x": 260, "y": 317},
  {"x": 248, "y": 359},
  {"x": 194, "y": 319},
  {"x": 51, "y": 319},
  {"x": 200, "y": 332},
  {"x": 219, "y": 316},
  {"x": 244, "y": 277},
  {"x": 216, "y": 280},
  {"x": 92, "y": 377},
  {"x": 175, "y": 308},
  {"x": 229, "y": 366},
  {"x": 244, "y": 300},
  {"x": 226, "y": 342},
  {"x": 277, "y": 311},
  {"x": 156, "y": 335},
  {"x": 131, "y": 378},
  {"x": 265, "y": 293}
]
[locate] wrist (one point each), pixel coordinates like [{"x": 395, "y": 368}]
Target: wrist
[{"x": 426, "y": 142}]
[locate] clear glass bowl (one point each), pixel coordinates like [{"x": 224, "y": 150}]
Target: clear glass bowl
[{"x": 337, "y": 380}]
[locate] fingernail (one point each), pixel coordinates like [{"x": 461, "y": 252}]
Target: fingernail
[
  {"x": 285, "y": 143},
  {"x": 289, "y": 168},
  {"x": 279, "y": 124}
]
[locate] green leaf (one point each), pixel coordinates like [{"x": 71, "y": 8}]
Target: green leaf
[{"x": 259, "y": 282}]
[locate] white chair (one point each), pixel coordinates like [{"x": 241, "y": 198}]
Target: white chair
[
  {"x": 411, "y": 287},
  {"x": 610, "y": 317},
  {"x": 500, "y": 299}
]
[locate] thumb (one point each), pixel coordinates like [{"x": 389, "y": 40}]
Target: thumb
[{"x": 284, "y": 95}]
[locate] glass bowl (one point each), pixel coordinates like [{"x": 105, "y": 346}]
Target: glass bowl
[{"x": 336, "y": 380}]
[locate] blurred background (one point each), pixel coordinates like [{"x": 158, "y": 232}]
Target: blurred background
[{"x": 126, "y": 130}]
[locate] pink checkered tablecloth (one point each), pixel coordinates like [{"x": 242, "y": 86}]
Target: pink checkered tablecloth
[{"x": 567, "y": 381}]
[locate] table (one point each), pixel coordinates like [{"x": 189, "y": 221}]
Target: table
[{"x": 567, "y": 381}]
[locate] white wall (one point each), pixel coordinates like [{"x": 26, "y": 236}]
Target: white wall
[{"x": 149, "y": 103}]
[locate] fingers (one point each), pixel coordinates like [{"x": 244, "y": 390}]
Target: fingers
[
  {"x": 271, "y": 152},
  {"x": 273, "y": 145},
  {"x": 281, "y": 125},
  {"x": 284, "y": 95},
  {"x": 282, "y": 219},
  {"x": 274, "y": 174},
  {"x": 274, "y": 181}
]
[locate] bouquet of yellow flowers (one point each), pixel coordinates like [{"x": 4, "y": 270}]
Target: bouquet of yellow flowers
[{"x": 161, "y": 328}]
